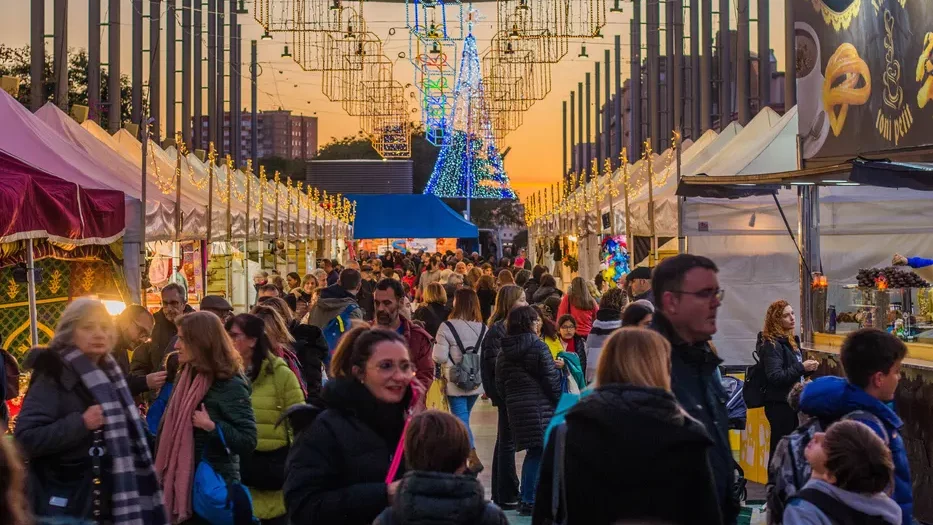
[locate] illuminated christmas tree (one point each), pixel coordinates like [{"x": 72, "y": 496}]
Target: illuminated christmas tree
[{"x": 469, "y": 164}]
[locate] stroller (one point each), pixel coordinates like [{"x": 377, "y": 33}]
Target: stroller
[{"x": 738, "y": 414}]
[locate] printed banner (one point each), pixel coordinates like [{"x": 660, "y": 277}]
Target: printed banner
[{"x": 864, "y": 75}]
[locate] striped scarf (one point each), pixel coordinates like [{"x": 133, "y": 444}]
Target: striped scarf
[{"x": 136, "y": 497}]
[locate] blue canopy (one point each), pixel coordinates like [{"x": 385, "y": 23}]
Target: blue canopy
[{"x": 400, "y": 216}]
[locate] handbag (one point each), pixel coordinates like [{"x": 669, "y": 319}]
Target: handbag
[
  {"x": 215, "y": 500},
  {"x": 68, "y": 491}
]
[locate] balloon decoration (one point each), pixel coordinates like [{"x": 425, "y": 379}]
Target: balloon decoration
[{"x": 615, "y": 258}]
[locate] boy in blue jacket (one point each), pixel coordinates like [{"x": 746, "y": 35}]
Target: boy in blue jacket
[{"x": 872, "y": 362}]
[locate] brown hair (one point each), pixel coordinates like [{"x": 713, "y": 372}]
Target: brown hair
[
  {"x": 211, "y": 348},
  {"x": 773, "y": 324},
  {"x": 486, "y": 282},
  {"x": 613, "y": 299},
  {"x": 506, "y": 298},
  {"x": 635, "y": 356},
  {"x": 466, "y": 306},
  {"x": 435, "y": 293},
  {"x": 13, "y": 502},
  {"x": 279, "y": 305},
  {"x": 473, "y": 276},
  {"x": 580, "y": 296},
  {"x": 505, "y": 277},
  {"x": 436, "y": 442},
  {"x": 356, "y": 347},
  {"x": 276, "y": 328},
  {"x": 857, "y": 457}
]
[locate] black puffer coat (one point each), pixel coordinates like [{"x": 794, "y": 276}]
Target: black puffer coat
[
  {"x": 529, "y": 383},
  {"x": 311, "y": 349},
  {"x": 549, "y": 297},
  {"x": 432, "y": 498},
  {"x": 634, "y": 452},
  {"x": 783, "y": 367},
  {"x": 336, "y": 469},
  {"x": 492, "y": 346}
]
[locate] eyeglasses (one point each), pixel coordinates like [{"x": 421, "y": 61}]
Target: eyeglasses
[
  {"x": 706, "y": 294},
  {"x": 389, "y": 368},
  {"x": 143, "y": 330},
  {"x": 173, "y": 304}
]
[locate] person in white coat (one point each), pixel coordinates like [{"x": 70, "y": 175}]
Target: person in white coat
[{"x": 461, "y": 334}]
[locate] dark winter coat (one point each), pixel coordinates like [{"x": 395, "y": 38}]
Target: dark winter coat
[
  {"x": 531, "y": 286},
  {"x": 783, "y": 367},
  {"x": 432, "y": 315},
  {"x": 292, "y": 299},
  {"x": 148, "y": 357},
  {"x": 366, "y": 298},
  {"x": 50, "y": 426},
  {"x": 548, "y": 296},
  {"x": 436, "y": 498},
  {"x": 487, "y": 300},
  {"x": 632, "y": 455},
  {"x": 311, "y": 349},
  {"x": 332, "y": 302},
  {"x": 492, "y": 346},
  {"x": 420, "y": 350},
  {"x": 695, "y": 380},
  {"x": 121, "y": 354},
  {"x": 530, "y": 383},
  {"x": 336, "y": 469}
]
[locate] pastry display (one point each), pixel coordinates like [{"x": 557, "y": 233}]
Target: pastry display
[{"x": 847, "y": 82}]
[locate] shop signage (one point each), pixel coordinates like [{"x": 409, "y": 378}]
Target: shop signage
[{"x": 864, "y": 75}]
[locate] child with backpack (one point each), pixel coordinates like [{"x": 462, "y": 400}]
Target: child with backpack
[
  {"x": 872, "y": 363},
  {"x": 437, "y": 488},
  {"x": 852, "y": 468}
]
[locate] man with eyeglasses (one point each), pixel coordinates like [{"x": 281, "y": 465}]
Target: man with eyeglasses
[
  {"x": 687, "y": 298},
  {"x": 148, "y": 358},
  {"x": 388, "y": 300},
  {"x": 134, "y": 328}
]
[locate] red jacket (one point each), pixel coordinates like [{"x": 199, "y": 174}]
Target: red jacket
[
  {"x": 584, "y": 318},
  {"x": 420, "y": 349}
]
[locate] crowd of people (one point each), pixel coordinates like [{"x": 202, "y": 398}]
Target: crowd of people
[{"x": 311, "y": 408}]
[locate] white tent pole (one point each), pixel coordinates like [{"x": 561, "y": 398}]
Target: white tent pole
[{"x": 31, "y": 280}]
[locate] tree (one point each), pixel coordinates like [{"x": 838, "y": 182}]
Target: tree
[{"x": 15, "y": 61}]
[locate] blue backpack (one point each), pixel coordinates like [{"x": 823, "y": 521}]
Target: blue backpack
[
  {"x": 157, "y": 408},
  {"x": 335, "y": 328}
]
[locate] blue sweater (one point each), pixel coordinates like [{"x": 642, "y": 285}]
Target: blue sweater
[
  {"x": 919, "y": 262},
  {"x": 831, "y": 398}
]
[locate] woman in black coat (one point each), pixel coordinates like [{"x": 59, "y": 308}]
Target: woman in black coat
[
  {"x": 631, "y": 453},
  {"x": 548, "y": 295},
  {"x": 433, "y": 311},
  {"x": 528, "y": 380},
  {"x": 779, "y": 350},
  {"x": 336, "y": 470}
]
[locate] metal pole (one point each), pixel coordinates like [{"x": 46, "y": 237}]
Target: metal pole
[
  {"x": 574, "y": 160},
  {"x": 93, "y": 60},
  {"x": 764, "y": 54},
  {"x": 170, "y": 69},
  {"x": 808, "y": 219},
  {"x": 620, "y": 103},
  {"x": 136, "y": 97},
  {"x": 142, "y": 204},
  {"x": 563, "y": 174},
  {"x": 254, "y": 113},
  {"x": 186, "y": 73},
  {"x": 581, "y": 147},
  {"x": 221, "y": 73},
  {"x": 197, "y": 66},
  {"x": 60, "y": 53},
  {"x": 742, "y": 79},
  {"x": 607, "y": 113},
  {"x": 37, "y": 55},
  {"x": 628, "y": 223},
  {"x": 155, "y": 68},
  {"x": 588, "y": 144},
  {"x": 667, "y": 114},
  {"x": 696, "y": 128},
  {"x": 654, "y": 74},
  {"x": 597, "y": 121},
  {"x": 179, "y": 216},
  {"x": 114, "y": 69},
  {"x": 725, "y": 66},
  {"x": 706, "y": 66},
  {"x": 210, "y": 213},
  {"x": 249, "y": 177},
  {"x": 677, "y": 72},
  {"x": 31, "y": 283},
  {"x": 212, "y": 71},
  {"x": 681, "y": 240},
  {"x": 650, "y": 175},
  {"x": 636, "y": 81},
  {"x": 233, "y": 146},
  {"x": 790, "y": 76}
]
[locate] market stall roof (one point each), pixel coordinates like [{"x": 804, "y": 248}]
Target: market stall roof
[
  {"x": 393, "y": 216},
  {"x": 37, "y": 205},
  {"x": 888, "y": 174}
]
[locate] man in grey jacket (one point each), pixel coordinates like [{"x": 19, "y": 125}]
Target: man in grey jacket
[{"x": 337, "y": 298}]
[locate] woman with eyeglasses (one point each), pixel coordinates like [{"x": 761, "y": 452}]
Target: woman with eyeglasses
[
  {"x": 338, "y": 467},
  {"x": 275, "y": 389}
]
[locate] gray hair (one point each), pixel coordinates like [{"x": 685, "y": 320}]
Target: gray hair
[
  {"x": 455, "y": 279},
  {"x": 79, "y": 310},
  {"x": 320, "y": 275}
]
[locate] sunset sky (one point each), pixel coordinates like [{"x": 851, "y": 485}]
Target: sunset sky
[{"x": 535, "y": 159}]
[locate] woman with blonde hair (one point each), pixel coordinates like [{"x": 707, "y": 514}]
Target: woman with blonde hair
[
  {"x": 579, "y": 303},
  {"x": 79, "y": 422},
  {"x": 504, "y": 476},
  {"x": 779, "y": 350},
  {"x": 209, "y": 413},
  {"x": 433, "y": 310},
  {"x": 631, "y": 423}
]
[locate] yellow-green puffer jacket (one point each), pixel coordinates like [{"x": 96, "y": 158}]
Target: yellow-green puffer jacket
[{"x": 275, "y": 389}]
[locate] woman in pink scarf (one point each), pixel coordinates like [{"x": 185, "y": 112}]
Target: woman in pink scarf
[{"x": 210, "y": 394}]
